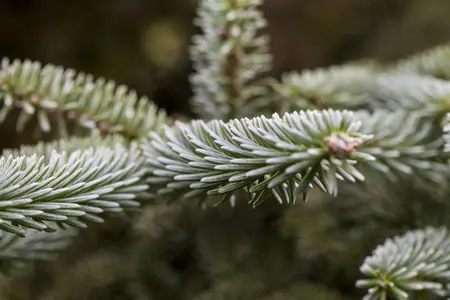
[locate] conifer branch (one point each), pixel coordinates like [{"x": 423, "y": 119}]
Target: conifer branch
[
  {"x": 228, "y": 58},
  {"x": 433, "y": 62},
  {"x": 418, "y": 260},
  {"x": 339, "y": 87},
  {"x": 285, "y": 155},
  {"x": 402, "y": 143},
  {"x": 278, "y": 155},
  {"x": 51, "y": 92},
  {"x": 68, "y": 146},
  {"x": 69, "y": 187},
  {"x": 36, "y": 245},
  {"x": 426, "y": 95}
]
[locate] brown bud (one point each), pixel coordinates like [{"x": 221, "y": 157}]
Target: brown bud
[
  {"x": 340, "y": 148},
  {"x": 354, "y": 144}
]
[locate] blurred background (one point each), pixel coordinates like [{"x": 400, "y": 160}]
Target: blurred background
[{"x": 181, "y": 252}]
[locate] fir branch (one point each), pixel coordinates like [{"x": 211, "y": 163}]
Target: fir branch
[
  {"x": 278, "y": 155},
  {"x": 228, "y": 58},
  {"x": 68, "y": 188},
  {"x": 426, "y": 95},
  {"x": 433, "y": 62},
  {"x": 338, "y": 87},
  {"x": 36, "y": 245},
  {"x": 53, "y": 92},
  {"x": 418, "y": 260},
  {"x": 68, "y": 146},
  {"x": 284, "y": 156},
  {"x": 402, "y": 143}
]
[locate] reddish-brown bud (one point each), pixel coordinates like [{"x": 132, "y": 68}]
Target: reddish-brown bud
[{"x": 341, "y": 148}]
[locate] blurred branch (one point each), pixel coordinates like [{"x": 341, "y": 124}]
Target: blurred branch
[
  {"x": 99, "y": 105},
  {"x": 228, "y": 59}
]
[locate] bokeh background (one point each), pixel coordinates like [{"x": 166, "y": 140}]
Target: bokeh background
[{"x": 181, "y": 252}]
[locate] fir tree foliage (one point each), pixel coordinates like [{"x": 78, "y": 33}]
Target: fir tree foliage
[
  {"x": 433, "y": 62},
  {"x": 36, "y": 245},
  {"x": 418, "y": 260},
  {"x": 279, "y": 155},
  {"x": 422, "y": 94},
  {"x": 68, "y": 187},
  {"x": 402, "y": 143},
  {"x": 68, "y": 145},
  {"x": 341, "y": 87},
  {"x": 51, "y": 92},
  {"x": 229, "y": 57},
  {"x": 48, "y": 190},
  {"x": 284, "y": 156}
]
